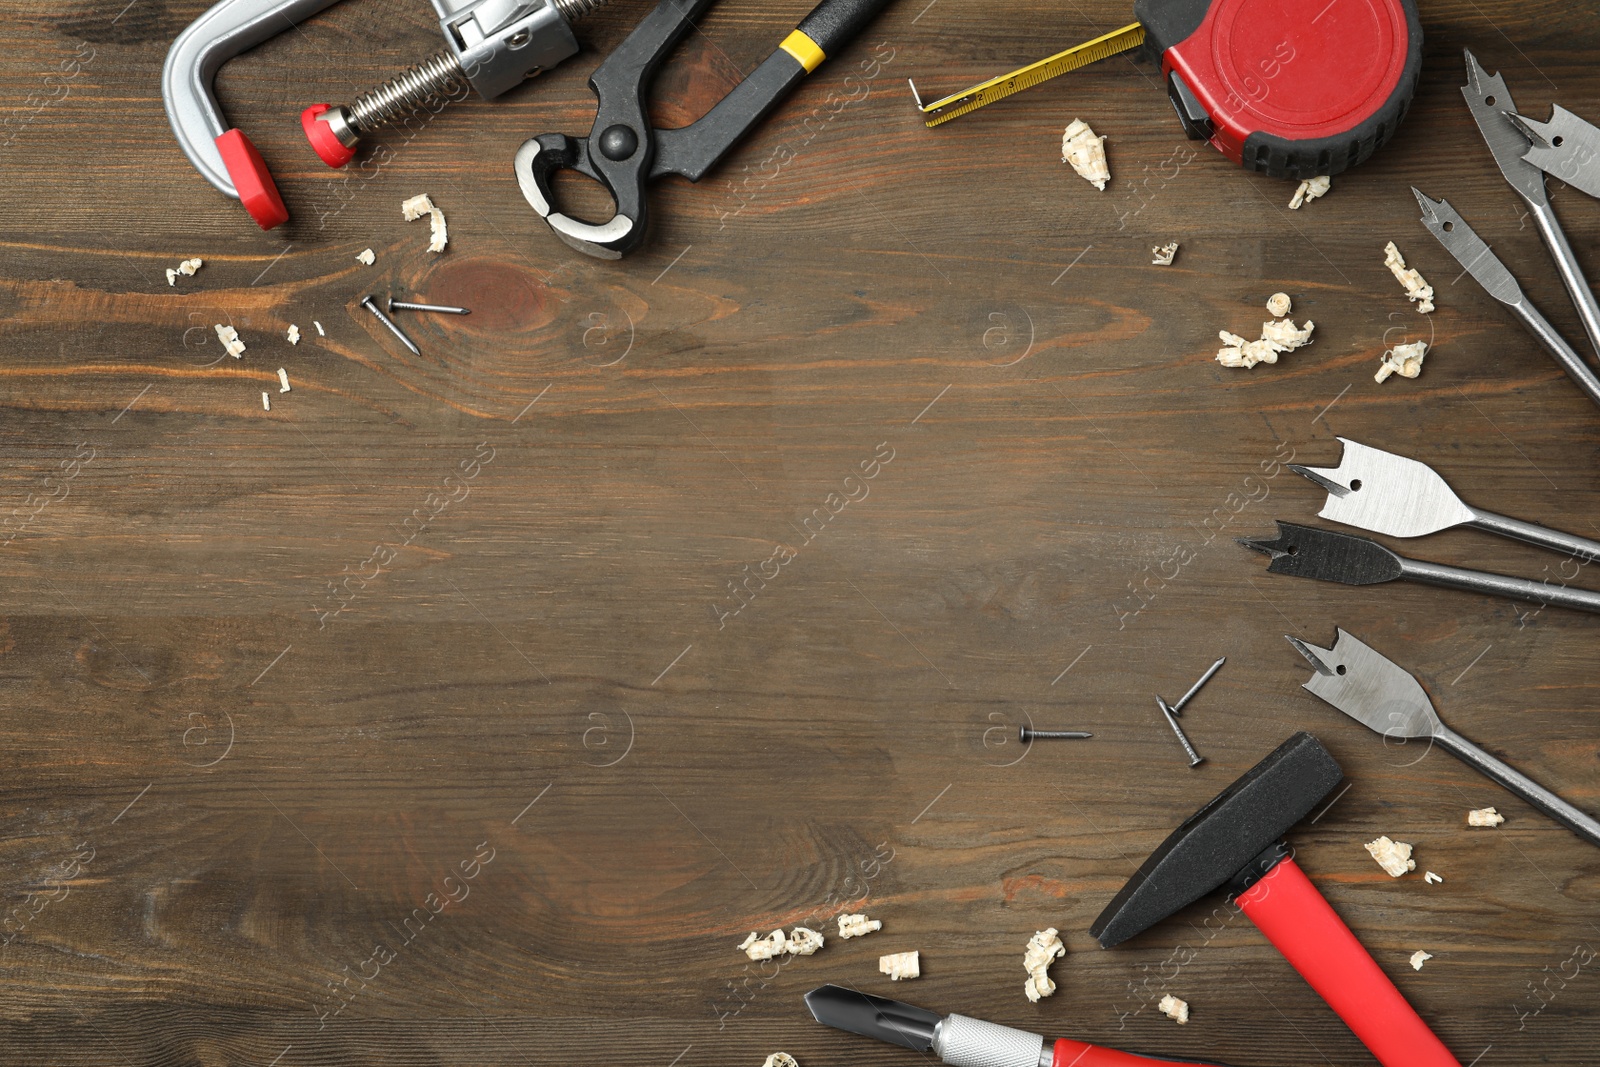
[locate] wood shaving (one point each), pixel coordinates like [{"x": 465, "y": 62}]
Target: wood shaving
[
  {"x": 1276, "y": 338},
  {"x": 421, "y": 205},
  {"x": 901, "y": 966},
  {"x": 1431, "y": 878},
  {"x": 1309, "y": 190},
  {"x": 803, "y": 942},
  {"x": 1418, "y": 958},
  {"x": 294, "y": 334},
  {"x": 1044, "y": 948},
  {"x": 1485, "y": 817},
  {"x": 760, "y": 948},
  {"x": 1174, "y": 1009},
  {"x": 266, "y": 401},
  {"x": 857, "y": 926},
  {"x": 1087, "y": 154},
  {"x": 1237, "y": 352},
  {"x": 367, "y": 256},
  {"x": 781, "y": 1059},
  {"x": 318, "y": 325},
  {"x": 1404, "y": 360},
  {"x": 1278, "y": 305},
  {"x": 1393, "y": 856},
  {"x": 800, "y": 942},
  {"x": 230, "y": 340},
  {"x": 283, "y": 380},
  {"x": 188, "y": 267},
  {"x": 1162, "y": 255},
  {"x": 1286, "y": 335},
  {"x": 416, "y": 207},
  {"x": 1418, "y": 291}
]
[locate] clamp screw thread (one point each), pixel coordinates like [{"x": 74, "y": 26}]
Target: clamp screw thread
[
  {"x": 437, "y": 76},
  {"x": 573, "y": 10}
]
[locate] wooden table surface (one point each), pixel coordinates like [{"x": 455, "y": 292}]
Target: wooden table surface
[{"x": 469, "y": 708}]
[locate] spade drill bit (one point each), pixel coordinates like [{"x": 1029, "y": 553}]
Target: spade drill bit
[
  {"x": 1566, "y": 147},
  {"x": 1388, "y": 494},
  {"x": 1331, "y": 556},
  {"x": 1460, "y": 241},
  {"x": 1383, "y": 697},
  {"x": 1491, "y": 105}
]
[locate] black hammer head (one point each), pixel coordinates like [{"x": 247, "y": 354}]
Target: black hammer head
[{"x": 1221, "y": 839}]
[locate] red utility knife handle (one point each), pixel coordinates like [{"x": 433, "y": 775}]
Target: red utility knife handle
[
  {"x": 1071, "y": 1053},
  {"x": 1305, "y": 928}
]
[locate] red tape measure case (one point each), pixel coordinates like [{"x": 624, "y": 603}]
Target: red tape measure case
[{"x": 1288, "y": 88}]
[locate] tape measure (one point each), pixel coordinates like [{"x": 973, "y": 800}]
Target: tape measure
[{"x": 1288, "y": 88}]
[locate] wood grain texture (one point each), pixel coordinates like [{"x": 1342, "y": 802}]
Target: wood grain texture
[{"x": 274, "y": 684}]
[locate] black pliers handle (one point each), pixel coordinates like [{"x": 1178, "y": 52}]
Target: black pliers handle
[{"x": 624, "y": 153}]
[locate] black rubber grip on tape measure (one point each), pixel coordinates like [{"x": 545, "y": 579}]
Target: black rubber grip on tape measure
[
  {"x": 1166, "y": 22},
  {"x": 1299, "y": 160},
  {"x": 1281, "y": 158},
  {"x": 833, "y": 24}
]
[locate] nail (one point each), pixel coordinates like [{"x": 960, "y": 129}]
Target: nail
[
  {"x": 1195, "y": 759},
  {"x": 1177, "y": 709},
  {"x": 1024, "y": 734},
  {"x": 372, "y": 306},
  {"x": 401, "y": 305}
]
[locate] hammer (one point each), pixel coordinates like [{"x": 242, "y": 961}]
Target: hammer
[{"x": 1235, "y": 840}]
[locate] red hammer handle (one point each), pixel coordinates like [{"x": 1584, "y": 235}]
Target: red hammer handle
[
  {"x": 1304, "y": 927},
  {"x": 1071, "y": 1053}
]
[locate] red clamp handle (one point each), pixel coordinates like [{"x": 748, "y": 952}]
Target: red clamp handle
[
  {"x": 1305, "y": 928},
  {"x": 1071, "y": 1053},
  {"x": 257, "y": 191}
]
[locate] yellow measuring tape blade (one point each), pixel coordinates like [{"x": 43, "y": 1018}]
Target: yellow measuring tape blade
[{"x": 1130, "y": 36}]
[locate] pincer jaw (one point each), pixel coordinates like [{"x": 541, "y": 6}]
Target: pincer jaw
[{"x": 535, "y": 162}]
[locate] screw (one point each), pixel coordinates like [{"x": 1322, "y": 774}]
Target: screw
[
  {"x": 438, "y": 78},
  {"x": 372, "y": 306},
  {"x": 401, "y": 305},
  {"x": 1195, "y": 759},
  {"x": 1024, "y": 734},
  {"x": 1177, "y": 709}
]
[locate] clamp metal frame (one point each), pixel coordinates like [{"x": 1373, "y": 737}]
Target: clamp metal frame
[
  {"x": 221, "y": 153},
  {"x": 493, "y": 45}
]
